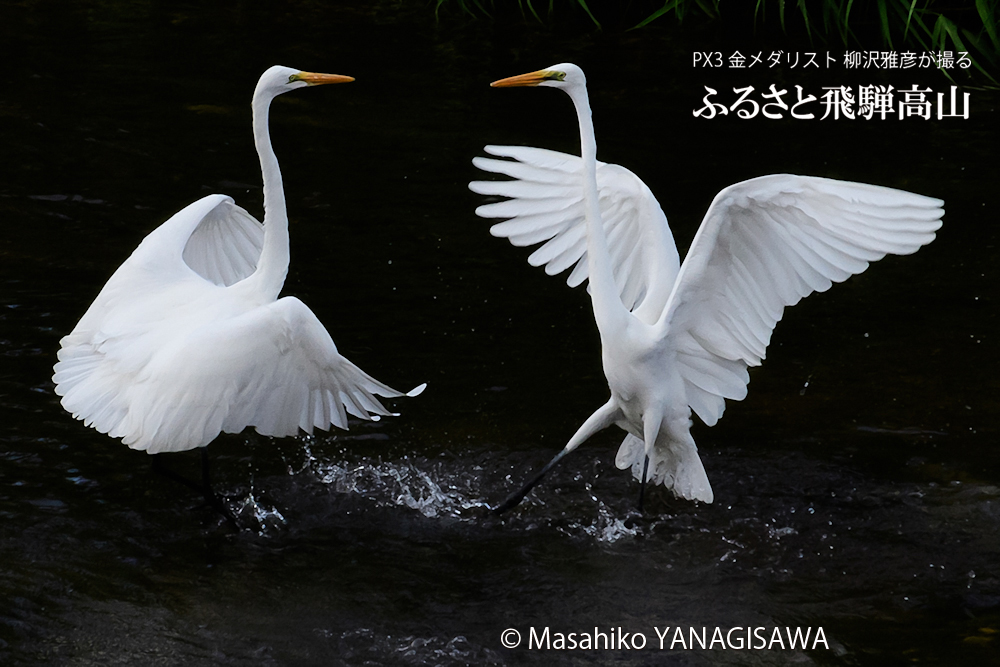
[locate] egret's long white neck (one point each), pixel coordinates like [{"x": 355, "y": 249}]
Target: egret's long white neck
[
  {"x": 603, "y": 291},
  {"x": 273, "y": 265}
]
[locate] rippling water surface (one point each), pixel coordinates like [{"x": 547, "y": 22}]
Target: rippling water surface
[{"x": 857, "y": 487}]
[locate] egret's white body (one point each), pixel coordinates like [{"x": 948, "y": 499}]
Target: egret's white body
[
  {"x": 677, "y": 338},
  {"x": 189, "y": 339}
]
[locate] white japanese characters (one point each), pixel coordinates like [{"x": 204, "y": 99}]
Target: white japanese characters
[
  {"x": 866, "y": 102},
  {"x": 825, "y": 60}
]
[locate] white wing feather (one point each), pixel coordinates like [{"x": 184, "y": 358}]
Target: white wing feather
[
  {"x": 546, "y": 205},
  {"x": 273, "y": 367},
  {"x": 225, "y": 246},
  {"x": 765, "y": 244},
  {"x": 161, "y": 257},
  {"x": 167, "y": 357}
]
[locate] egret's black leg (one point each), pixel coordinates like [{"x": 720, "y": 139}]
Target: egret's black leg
[
  {"x": 642, "y": 482},
  {"x": 162, "y": 469},
  {"x": 604, "y": 416},
  {"x": 516, "y": 497},
  {"x": 211, "y": 496},
  {"x": 206, "y": 478},
  {"x": 205, "y": 488}
]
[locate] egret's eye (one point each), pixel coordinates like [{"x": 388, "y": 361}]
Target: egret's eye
[
  {"x": 293, "y": 78},
  {"x": 558, "y": 76}
]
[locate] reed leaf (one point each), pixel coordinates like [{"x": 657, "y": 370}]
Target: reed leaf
[
  {"x": 583, "y": 3},
  {"x": 988, "y": 15},
  {"x": 668, "y": 6}
]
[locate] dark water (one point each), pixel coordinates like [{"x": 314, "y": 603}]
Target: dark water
[{"x": 857, "y": 487}]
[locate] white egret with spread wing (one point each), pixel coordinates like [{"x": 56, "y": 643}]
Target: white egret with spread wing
[
  {"x": 189, "y": 339},
  {"x": 680, "y": 337}
]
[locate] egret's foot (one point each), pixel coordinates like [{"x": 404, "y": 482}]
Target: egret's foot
[{"x": 216, "y": 502}]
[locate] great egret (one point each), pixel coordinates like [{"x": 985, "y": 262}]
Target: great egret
[
  {"x": 677, "y": 338},
  {"x": 189, "y": 338}
]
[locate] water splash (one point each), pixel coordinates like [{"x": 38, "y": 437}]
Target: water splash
[
  {"x": 261, "y": 518},
  {"x": 416, "y": 483},
  {"x": 607, "y": 527},
  {"x": 610, "y": 528},
  {"x": 438, "y": 490}
]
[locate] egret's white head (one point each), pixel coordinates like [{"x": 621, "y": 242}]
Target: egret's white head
[
  {"x": 278, "y": 80},
  {"x": 564, "y": 75}
]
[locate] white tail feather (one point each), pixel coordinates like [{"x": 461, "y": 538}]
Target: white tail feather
[{"x": 675, "y": 465}]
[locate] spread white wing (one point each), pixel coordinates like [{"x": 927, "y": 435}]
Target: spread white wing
[
  {"x": 174, "y": 350},
  {"x": 161, "y": 259},
  {"x": 273, "y": 367},
  {"x": 546, "y": 206},
  {"x": 765, "y": 244}
]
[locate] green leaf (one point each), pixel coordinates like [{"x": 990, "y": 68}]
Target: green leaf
[
  {"x": 909, "y": 17},
  {"x": 883, "y": 16},
  {"x": 583, "y": 3},
  {"x": 531, "y": 8},
  {"x": 669, "y": 5},
  {"x": 986, "y": 13},
  {"x": 805, "y": 17},
  {"x": 949, "y": 28}
]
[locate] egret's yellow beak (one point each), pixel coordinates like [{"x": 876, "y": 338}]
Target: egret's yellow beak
[
  {"x": 529, "y": 79},
  {"x": 314, "y": 79}
]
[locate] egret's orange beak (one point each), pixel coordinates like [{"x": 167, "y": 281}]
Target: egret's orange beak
[
  {"x": 529, "y": 79},
  {"x": 314, "y": 79}
]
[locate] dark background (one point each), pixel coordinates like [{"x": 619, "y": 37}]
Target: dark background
[{"x": 856, "y": 487}]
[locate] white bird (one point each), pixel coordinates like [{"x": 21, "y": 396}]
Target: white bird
[
  {"x": 188, "y": 338},
  {"x": 677, "y": 338}
]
